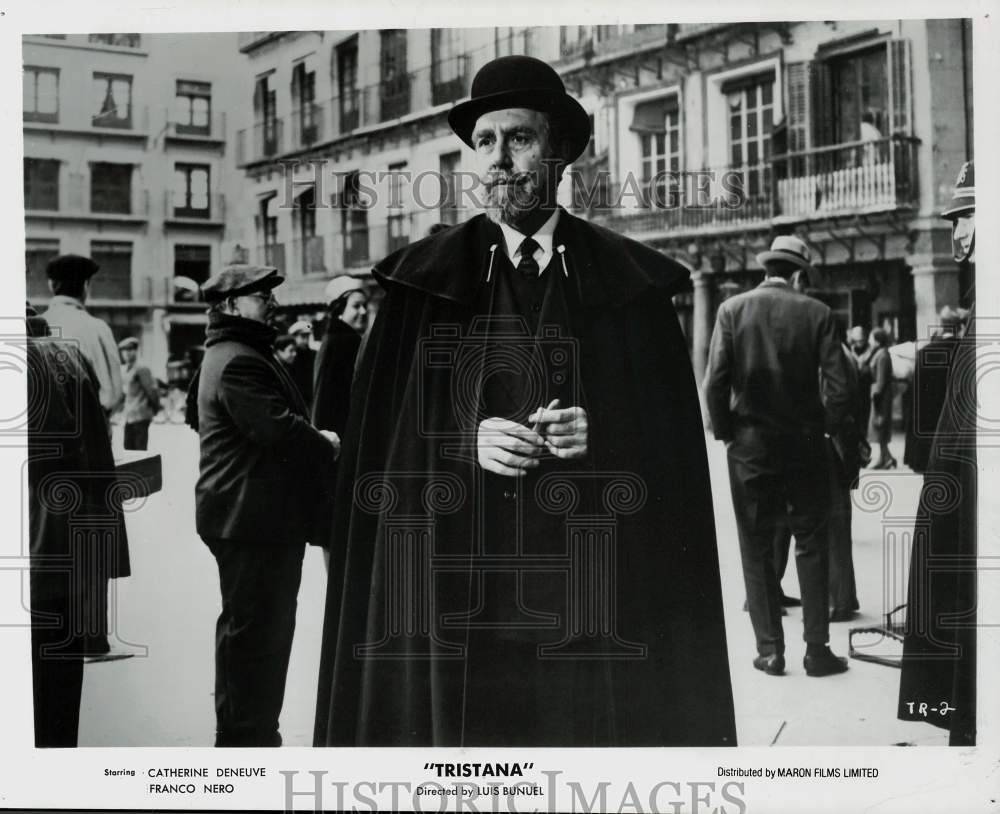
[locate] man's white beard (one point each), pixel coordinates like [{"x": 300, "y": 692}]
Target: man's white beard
[{"x": 512, "y": 204}]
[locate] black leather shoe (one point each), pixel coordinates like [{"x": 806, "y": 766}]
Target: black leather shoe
[
  {"x": 772, "y": 664},
  {"x": 790, "y": 601},
  {"x": 824, "y": 664},
  {"x": 842, "y": 615}
]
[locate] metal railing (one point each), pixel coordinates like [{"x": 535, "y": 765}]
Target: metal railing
[
  {"x": 307, "y": 124},
  {"x": 215, "y": 128},
  {"x": 450, "y": 90},
  {"x": 188, "y": 210},
  {"x": 76, "y": 196},
  {"x": 137, "y": 120},
  {"x": 309, "y": 255},
  {"x": 843, "y": 179},
  {"x": 394, "y": 97},
  {"x": 262, "y": 141}
]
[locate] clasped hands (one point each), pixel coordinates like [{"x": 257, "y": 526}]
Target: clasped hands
[{"x": 511, "y": 449}]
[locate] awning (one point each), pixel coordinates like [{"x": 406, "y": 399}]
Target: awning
[{"x": 651, "y": 116}]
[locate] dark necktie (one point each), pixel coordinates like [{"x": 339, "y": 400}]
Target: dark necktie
[{"x": 527, "y": 266}]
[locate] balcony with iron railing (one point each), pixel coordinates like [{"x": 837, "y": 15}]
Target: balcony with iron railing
[
  {"x": 209, "y": 211},
  {"x": 394, "y": 97},
  {"x": 260, "y": 142},
  {"x": 308, "y": 124},
  {"x": 837, "y": 181},
  {"x": 455, "y": 86},
  {"x": 71, "y": 117},
  {"x": 601, "y": 40},
  {"x": 76, "y": 199},
  {"x": 211, "y": 131}
]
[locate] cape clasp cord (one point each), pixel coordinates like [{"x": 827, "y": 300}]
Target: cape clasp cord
[
  {"x": 489, "y": 271},
  {"x": 561, "y": 248}
]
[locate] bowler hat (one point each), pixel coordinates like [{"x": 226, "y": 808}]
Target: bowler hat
[
  {"x": 236, "y": 280},
  {"x": 521, "y": 81},
  {"x": 788, "y": 248},
  {"x": 71, "y": 267},
  {"x": 963, "y": 199}
]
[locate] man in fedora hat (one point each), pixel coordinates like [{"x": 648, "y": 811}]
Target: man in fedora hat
[
  {"x": 526, "y": 371},
  {"x": 763, "y": 392},
  {"x": 939, "y": 645},
  {"x": 69, "y": 281},
  {"x": 142, "y": 397},
  {"x": 260, "y": 472}
]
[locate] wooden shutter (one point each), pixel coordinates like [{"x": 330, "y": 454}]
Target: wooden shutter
[
  {"x": 797, "y": 104},
  {"x": 900, "y": 87},
  {"x": 821, "y": 103}
]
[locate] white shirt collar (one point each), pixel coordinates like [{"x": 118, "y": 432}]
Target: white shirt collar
[{"x": 543, "y": 255}]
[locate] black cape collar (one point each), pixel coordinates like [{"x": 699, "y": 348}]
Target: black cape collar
[{"x": 605, "y": 267}]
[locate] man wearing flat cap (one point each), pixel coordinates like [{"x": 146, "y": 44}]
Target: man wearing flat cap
[
  {"x": 261, "y": 467},
  {"x": 771, "y": 348},
  {"x": 524, "y": 544},
  {"x": 142, "y": 397},
  {"x": 69, "y": 281}
]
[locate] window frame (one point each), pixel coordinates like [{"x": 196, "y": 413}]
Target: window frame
[
  {"x": 188, "y": 210},
  {"x": 102, "y": 119},
  {"x": 35, "y": 115}
]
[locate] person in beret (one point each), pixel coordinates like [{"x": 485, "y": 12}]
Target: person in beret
[
  {"x": 770, "y": 349},
  {"x": 262, "y": 469},
  {"x": 940, "y": 631},
  {"x": 526, "y": 370},
  {"x": 305, "y": 359},
  {"x": 69, "y": 281},
  {"x": 142, "y": 396}
]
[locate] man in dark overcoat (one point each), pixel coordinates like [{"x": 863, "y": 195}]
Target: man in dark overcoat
[
  {"x": 261, "y": 473},
  {"x": 764, "y": 395},
  {"x": 938, "y": 679},
  {"x": 76, "y": 526},
  {"x": 524, "y": 547}
]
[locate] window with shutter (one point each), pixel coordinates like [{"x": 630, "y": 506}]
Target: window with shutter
[{"x": 115, "y": 280}]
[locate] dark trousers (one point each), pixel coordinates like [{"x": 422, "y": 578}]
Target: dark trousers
[
  {"x": 774, "y": 475},
  {"x": 56, "y": 673},
  {"x": 843, "y": 589},
  {"x": 253, "y": 638},
  {"x": 137, "y": 435}
]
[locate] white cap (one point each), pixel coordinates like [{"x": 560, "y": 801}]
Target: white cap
[
  {"x": 301, "y": 327},
  {"x": 339, "y": 286}
]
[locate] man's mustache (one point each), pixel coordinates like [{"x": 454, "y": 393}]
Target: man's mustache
[{"x": 496, "y": 179}]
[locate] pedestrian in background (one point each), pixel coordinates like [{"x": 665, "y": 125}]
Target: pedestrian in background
[
  {"x": 142, "y": 396},
  {"x": 880, "y": 425},
  {"x": 286, "y": 351},
  {"x": 304, "y": 364},
  {"x": 769, "y": 404},
  {"x": 260, "y": 477},
  {"x": 69, "y": 281}
]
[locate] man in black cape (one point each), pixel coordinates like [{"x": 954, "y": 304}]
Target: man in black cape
[
  {"x": 524, "y": 549},
  {"x": 938, "y": 680}
]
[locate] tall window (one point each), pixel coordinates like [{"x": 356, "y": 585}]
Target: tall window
[
  {"x": 194, "y": 263},
  {"x": 191, "y": 191},
  {"x": 311, "y": 249},
  {"x": 37, "y": 254},
  {"x": 115, "y": 280},
  {"x": 347, "y": 85},
  {"x": 111, "y": 188},
  {"x": 266, "y": 117},
  {"x": 860, "y": 95},
  {"x": 274, "y": 252},
  {"x": 41, "y": 94},
  {"x": 448, "y": 168},
  {"x": 113, "y": 100},
  {"x": 448, "y": 65},
  {"x": 354, "y": 222},
  {"x": 751, "y": 118},
  {"x": 511, "y": 40},
  {"x": 304, "y": 98},
  {"x": 657, "y": 124},
  {"x": 41, "y": 184},
  {"x": 394, "y": 87},
  {"x": 398, "y": 222},
  {"x": 193, "y": 107}
]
